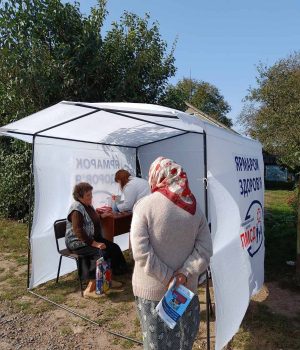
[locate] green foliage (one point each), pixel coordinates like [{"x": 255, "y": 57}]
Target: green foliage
[
  {"x": 175, "y": 98},
  {"x": 272, "y": 115},
  {"x": 137, "y": 68},
  {"x": 204, "y": 96},
  {"x": 50, "y": 52},
  {"x": 272, "y": 111},
  {"x": 14, "y": 178}
]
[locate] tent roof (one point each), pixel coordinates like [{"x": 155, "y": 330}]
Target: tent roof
[{"x": 122, "y": 124}]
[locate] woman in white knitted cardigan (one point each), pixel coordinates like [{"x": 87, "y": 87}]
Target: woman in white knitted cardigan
[{"x": 169, "y": 238}]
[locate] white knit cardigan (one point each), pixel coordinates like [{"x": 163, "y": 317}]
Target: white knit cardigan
[{"x": 165, "y": 239}]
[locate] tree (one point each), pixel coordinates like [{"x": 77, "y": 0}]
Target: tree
[
  {"x": 200, "y": 94},
  {"x": 136, "y": 67},
  {"x": 272, "y": 115},
  {"x": 50, "y": 52}
]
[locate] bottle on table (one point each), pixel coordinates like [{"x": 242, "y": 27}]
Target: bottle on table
[{"x": 114, "y": 203}]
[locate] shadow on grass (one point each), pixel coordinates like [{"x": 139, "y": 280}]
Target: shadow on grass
[{"x": 264, "y": 329}]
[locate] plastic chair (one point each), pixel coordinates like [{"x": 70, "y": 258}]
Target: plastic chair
[{"x": 60, "y": 233}]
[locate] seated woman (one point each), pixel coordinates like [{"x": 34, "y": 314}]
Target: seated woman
[
  {"x": 133, "y": 188},
  {"x": 84, "y": 237}
]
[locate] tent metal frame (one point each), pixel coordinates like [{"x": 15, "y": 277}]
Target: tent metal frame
[{"x": 121, "y": 113}]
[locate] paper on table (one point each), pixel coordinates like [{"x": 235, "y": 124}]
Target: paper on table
[{"x": 173, "y": 304}]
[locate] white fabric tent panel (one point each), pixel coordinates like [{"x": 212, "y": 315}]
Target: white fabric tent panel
[
  {"x": 79, "y": 121},
  {"x": 141, "y": 108},
  {"x": 184, "y": 121},
  {"x": 25, "y": 138},
  {"x": 104, "y": 127},
  {"x": 186, "y": 150},
  {"x": 57, "y": 167},
  {"x": 46, "y": 118},
  {"x": 122, "y": 241},
  {"x": 236, "y": 276}
]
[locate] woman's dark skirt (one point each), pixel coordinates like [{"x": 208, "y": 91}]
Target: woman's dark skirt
[
  {"x": 89, "y": 255},
  {"x": 158, "y": 336}
]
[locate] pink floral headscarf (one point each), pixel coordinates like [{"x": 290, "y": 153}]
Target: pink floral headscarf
[{"x": 168, "y": 178}]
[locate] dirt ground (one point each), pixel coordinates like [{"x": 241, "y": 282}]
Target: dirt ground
[
  {"x": 27, "y": 322},
  {"x": 280, "y": 301}
]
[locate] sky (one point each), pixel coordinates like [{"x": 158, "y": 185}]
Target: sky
[{"x": 219, "y": 41}]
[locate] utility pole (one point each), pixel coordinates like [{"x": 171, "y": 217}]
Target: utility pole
[
  {"x": 190, "y": 97},
  {"x": 298, "y": 232}
]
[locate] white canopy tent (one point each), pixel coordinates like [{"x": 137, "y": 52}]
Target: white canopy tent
[{"x": 75, "y": 142}]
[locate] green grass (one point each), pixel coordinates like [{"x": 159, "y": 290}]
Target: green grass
[
  {"x": 66, "y": 330},
  {"x": 281, "y": 238},
  {"x": 264, "y": 329},
  {"x": 13, "y": 242},
  {"x": 117, "y": 326},
  {"x": 13, "y": 237},
  {"x": 24, "y": 306},
  {"x": 5, "y": 276}
]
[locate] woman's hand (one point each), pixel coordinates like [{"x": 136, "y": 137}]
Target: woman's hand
[
  {"x": 180, "y": 279},
  {"x": 101, "y": 245},
  {"x": 98, "y": 245}
]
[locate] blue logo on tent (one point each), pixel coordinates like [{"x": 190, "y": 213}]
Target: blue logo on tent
[{"x": 252, "y": 233}]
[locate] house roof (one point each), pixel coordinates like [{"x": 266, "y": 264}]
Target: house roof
[{"x": 204, "y": 117}]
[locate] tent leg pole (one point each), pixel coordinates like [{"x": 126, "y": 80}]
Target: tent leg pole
[
  {"x": 206, "y": 214},
  {"x": 211, "y": 310},
  {"x": 84, "y": 318},
  {"x": 207, "y": 312},
  {"x": 58, "y": 270},
  {"x": 30, "y": 212},
  {"x": 138, "y": 170}
]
